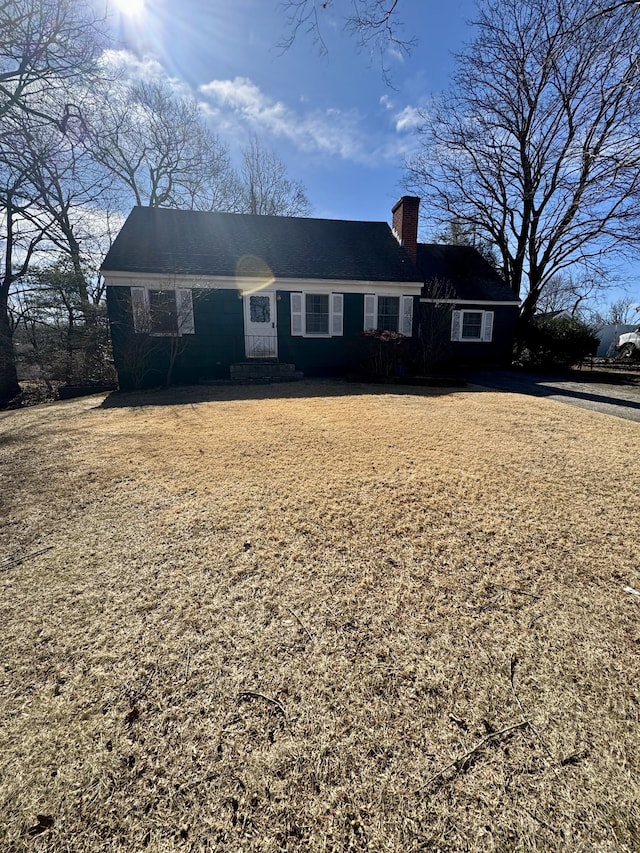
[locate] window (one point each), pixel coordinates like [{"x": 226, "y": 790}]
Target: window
[
  {"x": 259, "y": 309},
  {"x": 472, "y": 326},
  {"x": 162, "y": 312},
  {"x": 389, "y": 313},
  {"x": 317, "y": 315}
]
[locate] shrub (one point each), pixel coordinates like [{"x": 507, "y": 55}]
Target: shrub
[
  {"x": 387, "y": 354},
  {"x": 557, "y": 341}
]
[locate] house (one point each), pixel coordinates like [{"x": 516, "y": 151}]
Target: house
[
  {"x": 192, "y": 295},
  {"x": 483, "y": 309}
]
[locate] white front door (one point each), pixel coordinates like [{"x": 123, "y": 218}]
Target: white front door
[{"x": 260, "y": 328}]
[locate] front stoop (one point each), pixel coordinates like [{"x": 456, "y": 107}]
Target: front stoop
[{"x": 248, "y": 371}]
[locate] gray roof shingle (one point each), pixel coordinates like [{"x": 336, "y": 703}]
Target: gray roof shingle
[
  {"x": 468, "y": 274},
  {"x": 158, "y": 240}
]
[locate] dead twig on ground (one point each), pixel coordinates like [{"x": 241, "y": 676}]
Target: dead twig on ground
[
  {"x": 460, "y": 762},
  {"x": 252, "y": 694},
  {"x": 539, "y": 820},
  {"x": 301, "y": 623},
  {"x": 518, "y": 591},
  {"x": 512, "y": 678},
  {"x": 188, "y": 786},
  {"x": 12, "y": 562}
]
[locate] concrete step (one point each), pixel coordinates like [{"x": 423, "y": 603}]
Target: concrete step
[{"x": 264, "y": 372}]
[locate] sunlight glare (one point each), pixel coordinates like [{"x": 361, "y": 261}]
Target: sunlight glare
[
  {"x": 255, "y": 269},
  {"x": 130, "y": 8}
]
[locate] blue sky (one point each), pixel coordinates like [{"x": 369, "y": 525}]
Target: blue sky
[{"x": 341, "y": 130}]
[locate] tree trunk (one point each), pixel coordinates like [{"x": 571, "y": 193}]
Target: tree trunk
[
  {"x": 9, "y": 387},
  {"x": 529, "y": 305}
]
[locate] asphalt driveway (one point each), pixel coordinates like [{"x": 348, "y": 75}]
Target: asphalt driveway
[{"x": 610, "y": 398}]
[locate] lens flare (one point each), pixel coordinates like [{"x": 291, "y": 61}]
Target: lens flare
[{"x": 254, "y": 268}]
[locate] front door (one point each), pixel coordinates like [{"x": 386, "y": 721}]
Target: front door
[{"x": 260, "y": 329}]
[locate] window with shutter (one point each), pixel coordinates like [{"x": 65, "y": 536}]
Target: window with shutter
[
  {"x": 317, "y": 315},
  {"x": 162, "y": 312},
  {"x": 388, "y": 313},
  {"x": 472, "y": 326}
]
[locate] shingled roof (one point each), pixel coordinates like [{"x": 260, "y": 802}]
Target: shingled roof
[
  {"x": 188, "y": 242},
  {"x": 470, "y": 276}
]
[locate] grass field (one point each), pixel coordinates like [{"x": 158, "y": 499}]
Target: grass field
[{"x": 319, "y": 617}]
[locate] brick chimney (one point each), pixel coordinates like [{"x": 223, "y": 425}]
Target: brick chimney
[{"x": 405, "y": 224}]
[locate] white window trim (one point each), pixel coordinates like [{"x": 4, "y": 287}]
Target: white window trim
[
  {"x": 299, "y": 314},
  {"x": 405, "y": 319},
  {"x": 141, "y": 311},
  {"x": 486, "y": 326}
]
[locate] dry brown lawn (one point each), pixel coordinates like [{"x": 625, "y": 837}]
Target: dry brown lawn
[{"x": 319, "y": 617}]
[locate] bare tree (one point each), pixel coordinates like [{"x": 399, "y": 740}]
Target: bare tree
[
  {"x": 21, "y": 236},
  {"x": 158, "y": 145},
  {"x": 621, "y": 312},
  {"x": 457, "y": 233},
  {"x": 606, "y": 8},
  {"x": 573, "y": 293},
  {"x": 266, "y": 189},
  {"x": 52, "y": 192},
  {"x": 434, "y": 339},
  {"x": 45, "y": 45},
  {"x": 69, "y": 188},
  {"x": 375, "y": 24},
  {"x": 536, "y": 145}
]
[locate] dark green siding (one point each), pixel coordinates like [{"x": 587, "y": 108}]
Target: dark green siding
[
  {"x": 218, "y": 342},
  {"x": 435, "y": 324},
  {"x": 323, "y": 356},
  {"x": 143, "y": 361}
]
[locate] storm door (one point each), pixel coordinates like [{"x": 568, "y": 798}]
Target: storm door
[{"x": 260, "y": 330}]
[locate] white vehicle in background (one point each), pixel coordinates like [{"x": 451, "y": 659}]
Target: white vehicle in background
[{"x": 628, "y": 345}]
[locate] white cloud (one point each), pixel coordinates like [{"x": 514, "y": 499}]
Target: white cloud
[
  {"x": 126, "y": 67},
  {"x": 238, "y": 107},
  {"x": 408, "y": 119},
  {"x": 126, "y": 62},
  {"x": 332, "y": 132}
]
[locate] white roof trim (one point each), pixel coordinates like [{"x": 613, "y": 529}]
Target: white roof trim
[
  {"x": 471, "y": 301},
  {"x": 165, "y": 281}
]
